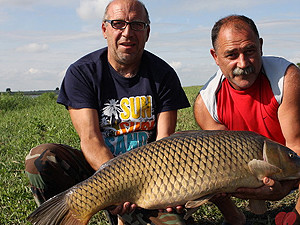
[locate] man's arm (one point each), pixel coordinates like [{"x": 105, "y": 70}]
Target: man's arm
[
  {"x": 166, "y": 124},
  {"x": 203, "y": 118},
  {"x": 86, "y": 124},
  {"x": 289, "y": 110}
]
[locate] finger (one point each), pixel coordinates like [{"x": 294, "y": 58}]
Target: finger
[
  {"x": 116, "y": 210},
  {"x": 169, "y": 209},
  {"x": 126, "y": 208},
  {"x": 132, "y": 208},
  {"x": 111, "y": 208},
  {"x": 179, "y": 209},
  {"x": 268, "y": 181},
  {"x": 220, "y": 197}
]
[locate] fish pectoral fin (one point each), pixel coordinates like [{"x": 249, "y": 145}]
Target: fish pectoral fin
[
  {"x": 198, "y": 202},
  {"x": 261, "y": 169},
  {"x": 189, "y": 212},
  {"x": 257, "y": 206}
]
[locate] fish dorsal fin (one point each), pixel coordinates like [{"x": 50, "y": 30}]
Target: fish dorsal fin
[
  {"x": 261, "y": 169},
  {"x": 257, "y": 206},
  {"x": 198, "y": 202}
]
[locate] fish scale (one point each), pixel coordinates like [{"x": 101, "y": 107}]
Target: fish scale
[{"x": 185, "y": 168}]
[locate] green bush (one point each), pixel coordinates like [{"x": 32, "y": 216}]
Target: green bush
[{"x": 17, "y": 101}]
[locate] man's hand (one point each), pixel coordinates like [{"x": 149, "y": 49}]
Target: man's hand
[
  {"x": 272, "y": 190},
  {"x": 179, "y": 209},
  {"x": 127, "y": 207}
]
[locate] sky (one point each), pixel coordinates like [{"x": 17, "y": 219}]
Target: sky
[{"x": 40, "y": 39}]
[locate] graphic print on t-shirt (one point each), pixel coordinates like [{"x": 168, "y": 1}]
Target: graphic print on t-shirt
[{"x": 125, "y": 123}]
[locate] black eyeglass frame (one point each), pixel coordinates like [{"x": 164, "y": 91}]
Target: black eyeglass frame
[{"x": 127, "y": 23}]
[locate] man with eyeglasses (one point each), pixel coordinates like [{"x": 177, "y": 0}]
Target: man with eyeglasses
[{"x": 119, "y": 98}]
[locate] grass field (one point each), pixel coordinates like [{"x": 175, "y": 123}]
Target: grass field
[{"x": 27, "y": 122}]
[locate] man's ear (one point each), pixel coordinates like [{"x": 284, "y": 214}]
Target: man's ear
[
  {"x": 261, "y": 45},
  {"x": 148, "y": 33},
  {"x": 103, "y": 26},
  {"x": 214, "y": 55}
]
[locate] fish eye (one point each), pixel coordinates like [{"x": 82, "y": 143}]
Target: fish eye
[{"x": 292, "y": 154}]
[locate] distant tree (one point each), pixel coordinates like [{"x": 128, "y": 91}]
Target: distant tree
[
  {"x": 298, "y": 64},
  {"x": 8, "y": 90},
  {"x": 57, "y": 89}
]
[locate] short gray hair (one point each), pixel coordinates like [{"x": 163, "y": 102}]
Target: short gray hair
[{"x": 234, "y": 19}]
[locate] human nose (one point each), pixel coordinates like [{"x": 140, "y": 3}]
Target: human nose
[
  {"x": 242, "y": 61},
  {"x": 127, "y": 31}
]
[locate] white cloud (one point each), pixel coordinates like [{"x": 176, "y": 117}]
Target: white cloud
[
  {"x": 92, "y": 9},
  {"x": 33, "y": 48},
  {"x": 32, "y": 71},
  {"x": 176, "y": 65}
]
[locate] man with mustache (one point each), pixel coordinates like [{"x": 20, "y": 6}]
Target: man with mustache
[{"x": 254, "y": 93}]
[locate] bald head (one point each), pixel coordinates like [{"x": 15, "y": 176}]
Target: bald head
[{"x": 127, "y": 5}]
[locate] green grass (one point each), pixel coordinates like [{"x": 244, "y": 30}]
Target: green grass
[{"x": 26, "y": 122}]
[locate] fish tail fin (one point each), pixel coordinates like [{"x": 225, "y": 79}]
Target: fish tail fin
[{"x": 54, "y": 211}]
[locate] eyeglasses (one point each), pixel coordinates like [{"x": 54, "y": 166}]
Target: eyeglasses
[{"x": 121, "y": 25}]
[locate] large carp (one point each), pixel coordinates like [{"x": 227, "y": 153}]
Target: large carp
[{"x": 186, "y": 168}]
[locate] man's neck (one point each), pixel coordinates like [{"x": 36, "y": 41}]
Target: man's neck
[{"x": 127, "y": 71}]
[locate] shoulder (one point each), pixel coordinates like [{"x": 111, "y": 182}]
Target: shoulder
[
  {"x": 95, "y": 57},
  {"x": 213, "y": 84},
  {"x": 88, "y": 65},
  {"x": 209, "y": 91},
  {"x": 159, "y": 71},
  {"x": 155, "y": 63},
  {"x": 292, "y": 76},
  {"x": 206, "y": 119},
  {"x": 275, "y": 69},
  {"x": 274, "y": 63}
]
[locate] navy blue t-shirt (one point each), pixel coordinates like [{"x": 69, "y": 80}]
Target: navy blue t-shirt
[{"x": 127, "y": 107}]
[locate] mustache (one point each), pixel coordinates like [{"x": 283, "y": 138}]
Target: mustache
[{"x": 239, "y": 71}]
